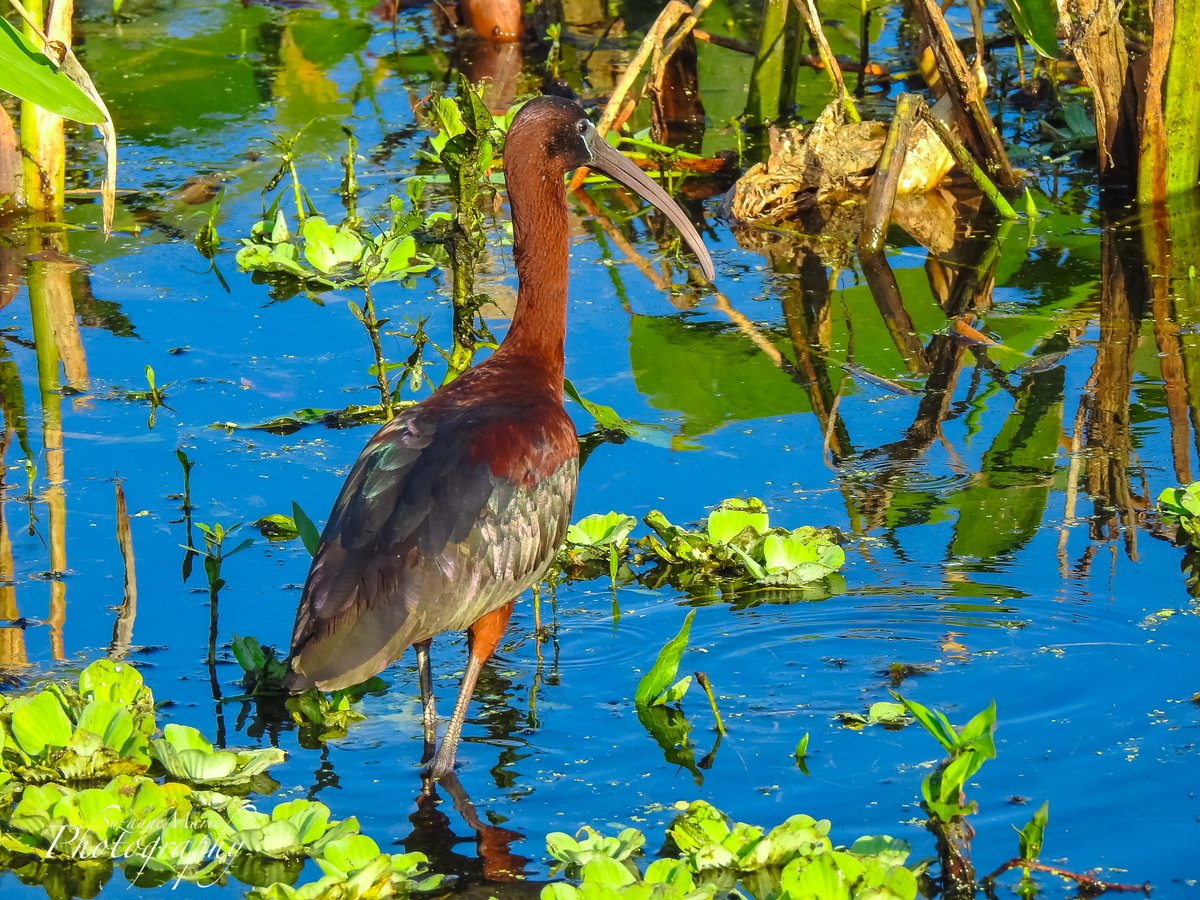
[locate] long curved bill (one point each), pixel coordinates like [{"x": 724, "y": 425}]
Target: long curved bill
[{"x": 623, "y": 170}]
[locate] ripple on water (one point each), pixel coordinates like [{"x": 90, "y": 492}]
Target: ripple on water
[
  {"x": 902, "y": 472},
  {"x": 587, "y": 637}
]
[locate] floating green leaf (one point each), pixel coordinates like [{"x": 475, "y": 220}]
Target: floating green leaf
[
  {"x": 186, "y": 755},
  {"x": 109, "y": 721},
  {"x": 827, "y": 877},
  {"x": 39, "y": 722},
  {"x": 733, "y": 517},
  {"x": 601, "y": 529},
  {"x": 327, "y": 247},
  {"x": 119, "y": 682},
  {"x": 1182, "y": 506},
  {"x": 276, "y": 527}
]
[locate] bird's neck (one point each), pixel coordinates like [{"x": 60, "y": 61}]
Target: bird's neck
[{"x": 541, "y": 245}]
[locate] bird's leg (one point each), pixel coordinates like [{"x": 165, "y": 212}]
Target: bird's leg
[
  {"x": 429, "y": 712},
  {"x": 482, "y": 638}
]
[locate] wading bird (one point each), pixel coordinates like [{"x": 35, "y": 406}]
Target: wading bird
[{"x": 457, "y": 505}]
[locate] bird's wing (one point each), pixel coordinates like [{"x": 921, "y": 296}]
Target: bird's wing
[{"x": 447, "y": 514}]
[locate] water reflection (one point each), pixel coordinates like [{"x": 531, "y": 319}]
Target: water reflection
[
  {"x": 825, "y": 360},
  {"x": 434, "y": 835},
  {"x": 920, "y": 422},
  {"x": 51, "y": 279}
]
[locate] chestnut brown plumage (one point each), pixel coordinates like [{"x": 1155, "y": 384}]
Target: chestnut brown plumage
[{"x": 456, "y": 506}]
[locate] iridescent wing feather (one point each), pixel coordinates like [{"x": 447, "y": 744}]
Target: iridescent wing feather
[{"x": 436, "y": 525}]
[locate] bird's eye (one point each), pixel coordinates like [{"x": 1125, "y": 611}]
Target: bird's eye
[{"x": 581, "y": 126}]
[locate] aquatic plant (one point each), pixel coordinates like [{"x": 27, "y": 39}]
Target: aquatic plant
[
  {"x": 155, "y": 395},
  {"x": 706, "y": 853},
  {"x": 658, "y": 689},
  {"x": 465, "y": 144},
  {"x": 320, "y": 716},
  {"x": 320, "y": 255},
  {"x": 87, "y": 786},
  {"x": 596, "y": 545},
  {"x": 738, "y": 542},
  {"x": 735, "y": 549},
  {"x": 186, "y": 756},
  {"x": 354, "y": 868},
  {"x": 281, "y": 527},
  {"x": 571, "y": 854},
  {"x": 324, "y": 256},
  {"x": 96, "y": 729},
  {"x": 215, "y": 553},
  {"x": 1181, "y": 506},
  {"x": 658, "y": 686},
  {"x": 967, "y": 748}
]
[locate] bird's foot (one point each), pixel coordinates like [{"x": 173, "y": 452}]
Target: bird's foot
[{"x": 442, "y": 765}]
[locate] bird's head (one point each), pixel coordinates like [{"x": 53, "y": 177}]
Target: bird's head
[{"x": 558, "y": 131}]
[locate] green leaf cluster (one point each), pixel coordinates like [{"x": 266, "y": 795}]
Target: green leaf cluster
[
  {"x": 356, "y": 869},
  {"x": 320, "y": 716},
  {"x": 104, "y": 727},
  {"x": 795, "y": 859},
  {"x": 323, "y": 256},
  {"x": 664, "y": 879},
  {"x": 736, "y": 550},
  {"x": 573, "y": 853},
  {"x": 599, "y": 532},
  {"x": 264, "y": 669},
  {"x": 466, "y": 132},
  {"x": 738, "y": 544},
  {"x": 81, "y": 780},
  {"x": 186, "y": 756},
  {"x": 323, "y": 717},
  {"x": 90, "y": 731},
  {"x": 172, "y": 831},
  {"x": 597, "y": 545},
  {"x": 1181, "y": 506},
  {"x": 707, "y": 853},
  {"x": 155, "y": 828},
  {"x": 967, "y": 749}
]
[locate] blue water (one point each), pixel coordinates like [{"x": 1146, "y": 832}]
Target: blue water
[{"x": 1093, "y": 696}]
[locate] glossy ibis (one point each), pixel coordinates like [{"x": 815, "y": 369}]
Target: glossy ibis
[{"x": 458, "y": 504}]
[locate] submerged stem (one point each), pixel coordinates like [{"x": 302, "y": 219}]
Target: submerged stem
[
  {"x": 967, "y": 162},
  {"x": 702, "y": 680},
  {"x": 372, "y": 325}
]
